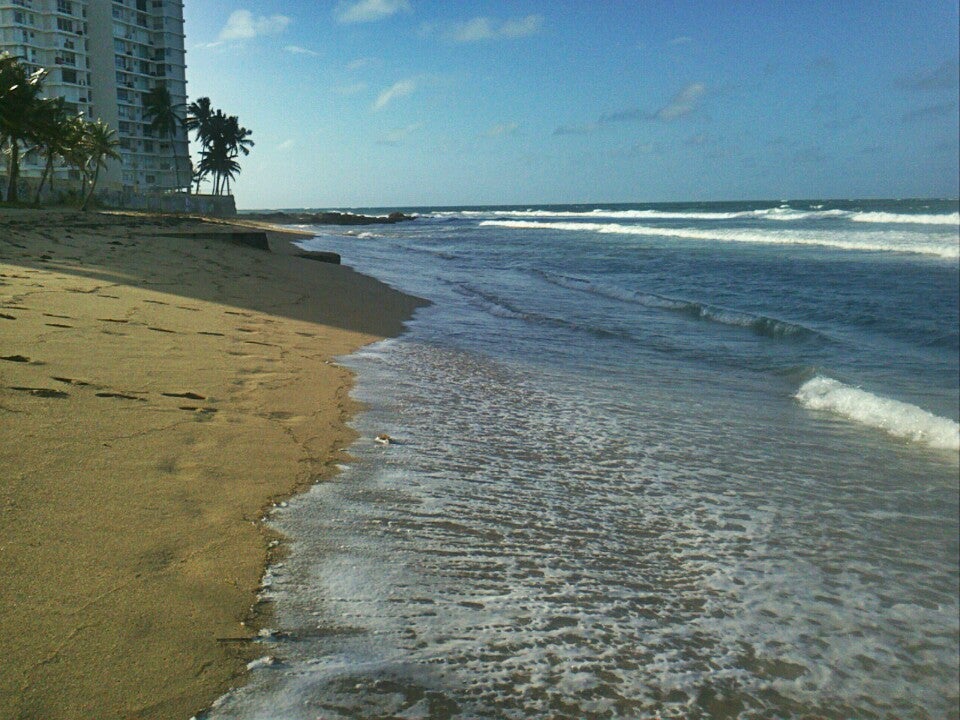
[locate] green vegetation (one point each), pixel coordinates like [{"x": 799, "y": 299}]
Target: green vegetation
[
  {"x": 222, "y": 139},
  {"x": 165, "y": 118},
  {"x": 29, "y": 122}
]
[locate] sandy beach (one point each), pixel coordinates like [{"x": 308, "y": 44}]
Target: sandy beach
[{"x": 157, "y": 394}]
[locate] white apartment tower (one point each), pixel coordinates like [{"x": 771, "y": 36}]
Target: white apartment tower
[{"x": 103, "y": 56}]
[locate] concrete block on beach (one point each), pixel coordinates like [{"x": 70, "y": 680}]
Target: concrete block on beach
[
  {"x": 321, "y": 256},
  {"x": 250, "y": 238}
]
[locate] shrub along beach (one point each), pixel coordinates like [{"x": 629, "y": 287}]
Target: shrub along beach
[{"x": 159, "y": 389}]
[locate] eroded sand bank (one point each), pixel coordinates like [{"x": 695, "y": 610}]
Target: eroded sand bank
[{"x": 156, "y": 393}]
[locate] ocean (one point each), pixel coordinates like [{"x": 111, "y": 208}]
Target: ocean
[{"x": 689, "y": 460}]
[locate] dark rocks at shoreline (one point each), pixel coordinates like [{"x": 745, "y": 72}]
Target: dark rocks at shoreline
[{"x": 326, "y": 218}]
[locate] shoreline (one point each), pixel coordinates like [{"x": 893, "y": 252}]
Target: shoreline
[{"x": 159, "y": 394}]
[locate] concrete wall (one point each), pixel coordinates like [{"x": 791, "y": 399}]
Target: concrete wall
[{"x": 66, "y": 193}]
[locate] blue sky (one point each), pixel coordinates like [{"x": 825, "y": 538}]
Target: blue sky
[{"x": 441, "y": 102}]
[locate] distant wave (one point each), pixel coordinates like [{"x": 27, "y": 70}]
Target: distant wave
[
  {"x": 882, "y": 241},
  {"x": 501, "y": 307},
  {"x": 897, "y": 418},
  {"x": 783, "y": 214},
  {"x": 759, "y": 324},
  {"x": 769, "y": 213},
  {"x": 882, "y": 217}
]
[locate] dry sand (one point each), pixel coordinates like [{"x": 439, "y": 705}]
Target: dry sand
[{"x": 157, "y": 393}]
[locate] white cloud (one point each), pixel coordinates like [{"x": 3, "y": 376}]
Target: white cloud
[
  {"x": 286, "y": 145},
  {"x": 369, "y": 10},
  {"x": 398, "y": 135},
  {"x": 361, "y": 63},
  {"x": 501, "y": 130},
  {"x": 683, "y": 103},
  {"x": 681, "y": 40},
  {"x": 584, "y": 129},
  {"x": 352, "y": 89},
  {"x": 297, "y": 50},
  {"x": 397, "y": 90},
  {"x": 483, "y": 28},
  {"x": 242, "y": 25}
]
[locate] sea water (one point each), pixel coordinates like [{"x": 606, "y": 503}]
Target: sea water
[{"x": 675, "y": 461}]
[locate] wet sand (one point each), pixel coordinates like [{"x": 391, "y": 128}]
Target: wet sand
[{"x": 157, "y": 394}]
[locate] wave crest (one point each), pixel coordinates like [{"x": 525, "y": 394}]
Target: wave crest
[
  {"x": 759, "y": 324},
  {"x": 893, "y": 416},
  {"x": 781, "y": 214},
  {"x": 885, "y": 241}
]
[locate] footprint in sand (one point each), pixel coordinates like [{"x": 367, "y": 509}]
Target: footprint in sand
[
  {"x": 121, "y": 396},
  {"x": 8, "y": 317},
  {"x": 187, "y": 395},
  {"x": 41, "y": 392},
  {"x": 113, "y": 320},
  {"x": 15, "y": 358},
  {"x": 207, "y": 332},
  {"x": 59, "y": 325},
  {"x": 62, "y": 317},
  {"x": 160, "y": 329},
  {"x": 68, "y": 381}
]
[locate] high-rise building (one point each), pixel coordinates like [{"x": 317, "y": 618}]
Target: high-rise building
[{"x": 103, "y": 57}]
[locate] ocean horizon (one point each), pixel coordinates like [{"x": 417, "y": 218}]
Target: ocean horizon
[{"x": 675, "y": 460}]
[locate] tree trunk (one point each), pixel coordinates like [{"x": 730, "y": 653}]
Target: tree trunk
[
  {"x": 47, "y": 171},
  {"x": 176, "y": 167},
  {"x": 93, "y": 186},
  {"x": 14, "y": 170}
]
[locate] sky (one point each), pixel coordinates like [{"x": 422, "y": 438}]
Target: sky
[{"x": 398, "y": 103}]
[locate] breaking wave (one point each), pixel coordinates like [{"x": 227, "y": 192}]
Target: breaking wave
[
  {"x": 500, "y": 307},
  {"x": 759, "y": 324},
  {"x": 784, "y": 214},
  {"x": 893, "y": 416},
  {"x": 883, "y": 241},
  {"x": 882, "y": 217}
]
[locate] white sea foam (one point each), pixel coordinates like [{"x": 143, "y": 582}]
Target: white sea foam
[
  {"x": 778, "y": 213},
  {"x": 882, "y": 241},
  {"x": 783, "y": 214},
  {"x": 895, "y": 417},
  {"x": 882, "y": 217}
]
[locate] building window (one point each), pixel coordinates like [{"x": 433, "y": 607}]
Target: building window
[
  {"x": 64, "y": 25},
  {"x": 65, "y": 7},
  {"x": 68, "y": 76}
]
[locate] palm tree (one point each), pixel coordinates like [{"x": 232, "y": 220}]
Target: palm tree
[
  {"x": 222, "y": 139},
  {"x": 199, "y": 113},
  {"x": 19, "y": 100},
  {"x": 99, "y": 145},
  {"x": 165, "y": 119},
  {"x": 57, "y": 134}
]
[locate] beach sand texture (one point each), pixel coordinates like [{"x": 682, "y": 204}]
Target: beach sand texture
[{"x": 157, "y": 393}]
